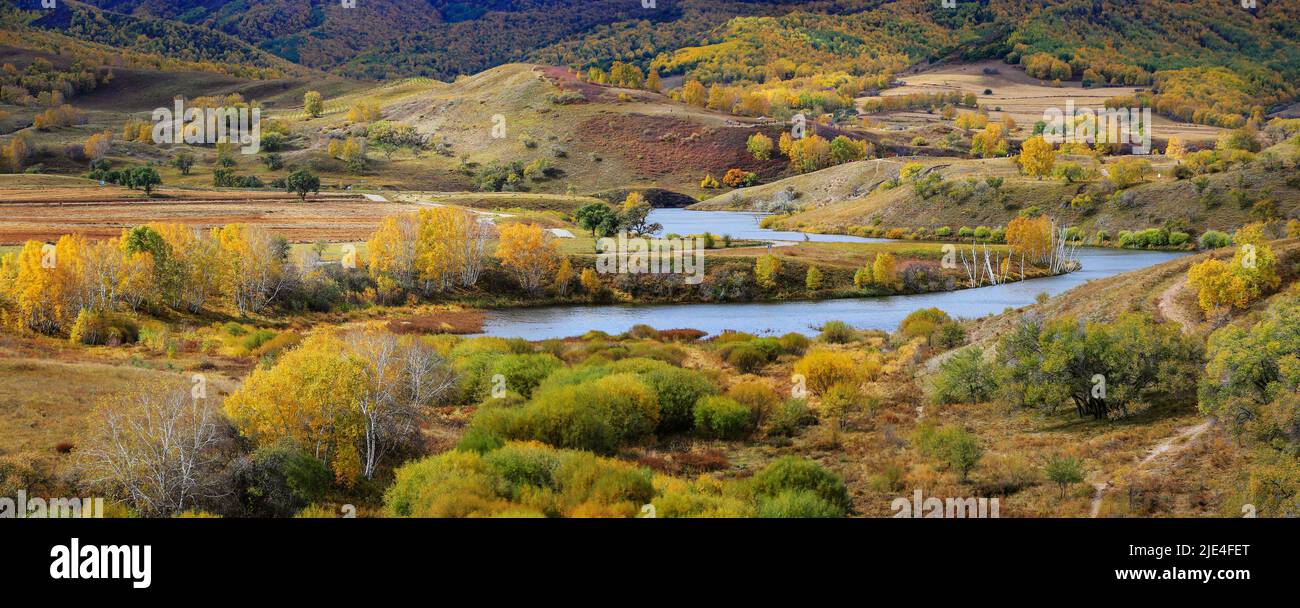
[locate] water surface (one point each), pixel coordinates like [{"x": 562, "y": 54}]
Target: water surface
[{"x": 800, "y": 316}]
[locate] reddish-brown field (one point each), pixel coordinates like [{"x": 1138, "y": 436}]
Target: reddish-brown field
[{"x": 101, "y": 213}]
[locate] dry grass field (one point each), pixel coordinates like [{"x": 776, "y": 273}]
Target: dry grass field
[
  {"x": 1022, "y": 97},
  {"x": 45, "y": 213}
]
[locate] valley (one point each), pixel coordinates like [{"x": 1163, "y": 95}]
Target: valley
[{"x": 390, "y": 290}]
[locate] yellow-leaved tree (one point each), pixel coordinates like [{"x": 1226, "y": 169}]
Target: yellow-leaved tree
[
  {"x": 1030, "y": 238},
  {"x": 255, "y": 265},
  {"x": 1251, "y": 274},
  {"x": 766, "y": 269},
  {"x": 528, "y": 253},
  {"x": 1036, "y": 157},
  {"x": 348, "y": 399},
  {"x": 884, "y": 271}
]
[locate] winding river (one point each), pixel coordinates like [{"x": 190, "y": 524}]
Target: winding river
[{"x": 798, "y": 316}]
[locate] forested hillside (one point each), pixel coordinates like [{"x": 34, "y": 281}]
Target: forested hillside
[{"x": 1211, "y": 63}]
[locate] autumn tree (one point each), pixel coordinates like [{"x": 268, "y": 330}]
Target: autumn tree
[
  {"x": 635, "y": 215},
  {"x": 97, "y": 145},
  {"x": 1129, "y": 172},
  {"x": 528, "y": 253},
  {"x": 884, "y": 271},
  {"x": 1036, "y": 157},
  {"x": 813, "y": 279},
  {"x": 766, "y": 270},
  {"x": 14, "y": 153},
  {"x": 392, "y": 254},
  {"x": 364, "y": 111},
  {"x": 400, "y": 379},
  {"x": 161, "y": 449},
  {"x": 590, "y": 281},
  {"x": 759, "y": 146},
  {"x": 989, "y": 142},
  {"x": 1251, "y": 274},
  {"x": 809, "y": 154},
  {"x": 653, "y": 82},
  {"x": 564, "y": 276},
  {"x": 1030, "y": 238},
  {"x": 1175, "y": 149},
  {"x": 309, "y": 396},
  {"x": 313, "y": 104},
  {"x": 255, "y": 265},
  {"x": 693, "y": 93}
]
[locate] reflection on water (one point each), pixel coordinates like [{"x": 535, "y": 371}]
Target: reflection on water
[{"x": 782, "y": 317}]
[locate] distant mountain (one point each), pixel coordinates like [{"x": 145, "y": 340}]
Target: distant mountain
[{"x": 1210, "y": 62}]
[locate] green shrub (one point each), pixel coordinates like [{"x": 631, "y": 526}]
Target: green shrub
[
  {"x": 964, "y": 378},
  {"x": 256, "y": 339},
  {"x": 475, "y": 374},
  {"x": 600, "y": 415},
  {"x": 518, "y": 480},
  {"x": 770, "y": 347},
  {"x": 722, "y": 418},
  {"x": 953, "y": 445},
  {"x": 755, "y": 395},
  {"x": 1213, "y": 239},
  {"x": 791, "y": 473},
  {"x": 837, "y": 332},
  {"x": 678, "y": 390},
  {"x": 278, "y": 480},
  {"x": 798, "y": 503},
  {"x": 794, "y": 343},
  {"x": 747, "y": 358},
  {"x": 524, "y": 372},
  {"x": 787, "y": 417}
]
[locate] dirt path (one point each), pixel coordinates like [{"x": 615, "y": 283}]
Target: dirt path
[
  {"x": 1168, "y": 307},
  {"x": 1167, "y": 447}
]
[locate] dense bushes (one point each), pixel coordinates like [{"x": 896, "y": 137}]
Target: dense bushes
[
  {"x": 529, "y": 479},
  {"x": 518, "y": 480},
  {"x": 523, "y": 373},
  {"x": 103, "y": 328},
  {"x": 964, "y": 378},
  {"x": 935, "y": 326},
  {"x": 600, "y": 415},
  {"x": 678, "y": 391},
  {"x": 722, "y": 418},
  {"x": 792, "y": 474},
  {"x": 279, "y": 480},
  {"x": 1102, "y": 368},
  {"x": 822, "y": 369}
]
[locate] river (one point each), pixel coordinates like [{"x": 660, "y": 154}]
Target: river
[{"x": 777, "y": 318}]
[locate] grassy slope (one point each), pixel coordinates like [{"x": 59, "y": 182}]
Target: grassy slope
[{"x": 844, "y": 196}]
